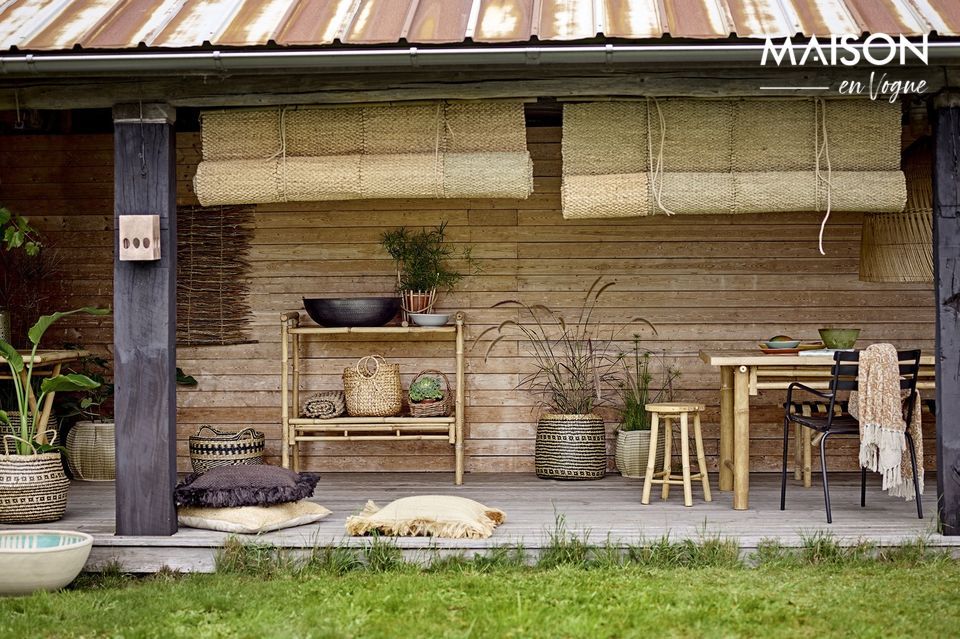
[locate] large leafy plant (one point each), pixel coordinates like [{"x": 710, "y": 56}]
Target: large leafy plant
[
  {"x": 575, "y": 361},
  {"x": 22, "y": 374},
  {"x": 646, "y": 378},
  {"x": 17, "y": 233},
  {"x": 423, "y": 258},
  {"x": 92, "y": 404}
]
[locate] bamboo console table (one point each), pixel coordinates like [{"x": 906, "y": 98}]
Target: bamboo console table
[{"x": 297, "y": 430}]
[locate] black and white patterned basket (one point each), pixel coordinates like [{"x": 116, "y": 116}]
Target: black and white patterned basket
[
  {"x": 570, "y": 447},
  {"x": 219, "y": 448}
]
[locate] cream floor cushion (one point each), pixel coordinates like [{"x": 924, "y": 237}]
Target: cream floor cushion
[
  {"x": 428, "y": 516},
  {"x": 252, "y": 519}
]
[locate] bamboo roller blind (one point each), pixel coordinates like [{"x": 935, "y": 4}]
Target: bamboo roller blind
[
  {"x": 438, "y": 149},
  {"x": 624, "y": 159}
]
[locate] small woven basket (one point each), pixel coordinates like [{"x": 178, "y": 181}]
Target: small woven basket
[
  {"x": 440, "y": 408},
  {"x": 220, "y": 448},
  {"x": 33, "y": 488},
  {"x": 372, "y": 388},
  {"x": 91, "y": 451},
  {"x": 324, "y": 405}
]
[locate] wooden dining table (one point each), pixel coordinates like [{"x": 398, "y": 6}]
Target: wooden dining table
[
  {"x": 747, "y": 372},
  {"x": 45, "y": 364}
]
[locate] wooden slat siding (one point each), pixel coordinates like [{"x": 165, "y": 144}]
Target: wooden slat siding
[
  {"x": 708, "y": 282},
  {"x": 144, "y": 304},
  {"x": 946, "y": 225}
]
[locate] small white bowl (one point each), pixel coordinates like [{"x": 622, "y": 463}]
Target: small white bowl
[
  {"x": 41, "y": 559},
  {"x": 430, "y": 319}
]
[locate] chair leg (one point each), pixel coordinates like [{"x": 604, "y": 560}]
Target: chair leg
[
  {"x": 863, "y": 487},
  {"x": 797, "y": 452},
  {"x": 667, "y": 456},
  {"x": 783, "y": 470},
  {"x": 651, "y": 458},
  {"x": 823, "y": 471},
  {"x": 916, "y": 478}
]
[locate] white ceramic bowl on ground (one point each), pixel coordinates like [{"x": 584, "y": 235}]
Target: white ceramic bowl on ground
[
  {"x": 35, "y": 560},
  {"x": 430, "y": 319}
]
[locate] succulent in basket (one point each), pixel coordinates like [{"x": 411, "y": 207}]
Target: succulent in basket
[{"x": 426, "y": 390}]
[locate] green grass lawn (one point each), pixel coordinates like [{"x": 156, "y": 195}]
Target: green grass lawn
[{"x": 779, "y": 598}]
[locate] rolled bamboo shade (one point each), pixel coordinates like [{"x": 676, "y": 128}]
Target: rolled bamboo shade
[
  {"x": 687, "y": 156},
  {"x": 898, "y": 247},
  {"x": 436, "y": 149}
]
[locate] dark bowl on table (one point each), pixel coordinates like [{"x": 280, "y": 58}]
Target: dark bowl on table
[{"x": 351, "y": 311}]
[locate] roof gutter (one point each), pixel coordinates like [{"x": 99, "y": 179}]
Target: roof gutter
[{"x": 218, "y": 61}]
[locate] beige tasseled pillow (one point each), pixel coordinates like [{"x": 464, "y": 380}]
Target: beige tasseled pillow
[
  {"x": 252, "y": 519},
  {"x": 428, "y": 516}
]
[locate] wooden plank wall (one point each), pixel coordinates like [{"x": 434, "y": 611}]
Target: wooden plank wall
[{"x": 706, "y": 282}]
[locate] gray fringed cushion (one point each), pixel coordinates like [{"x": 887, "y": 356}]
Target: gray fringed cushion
[{"x": 234, "y": 486}]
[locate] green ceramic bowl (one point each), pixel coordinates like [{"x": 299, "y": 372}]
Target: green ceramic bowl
[{"x": 839, "y": 337}]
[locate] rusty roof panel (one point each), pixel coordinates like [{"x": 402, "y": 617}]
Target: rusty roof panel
[
  {"x": 316, "y": 22},
  {"x": 504, "y": 21},
  {"x": 437, "y": 21},
  {"x": 51, "y": 25}
]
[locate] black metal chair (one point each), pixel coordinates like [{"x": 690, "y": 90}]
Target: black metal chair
[{"x": 843, "y": 377}]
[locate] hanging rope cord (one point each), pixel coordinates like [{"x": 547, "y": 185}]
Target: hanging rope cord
[
  {"x": 822, "y": 151},
  {"x": 282, "y": 154},
  {"x": 656, "y": 168}
]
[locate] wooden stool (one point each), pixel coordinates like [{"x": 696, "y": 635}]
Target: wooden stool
[{"x": 668, "y": 410}]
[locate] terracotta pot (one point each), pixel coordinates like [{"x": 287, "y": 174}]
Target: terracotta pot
[{"x": 417, "y": 302}]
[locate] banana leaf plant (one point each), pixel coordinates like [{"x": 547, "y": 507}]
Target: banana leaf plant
[{"x": 22, "y": 374}]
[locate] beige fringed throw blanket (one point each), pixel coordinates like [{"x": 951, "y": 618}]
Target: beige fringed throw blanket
[{"x": 879, "y": 409}]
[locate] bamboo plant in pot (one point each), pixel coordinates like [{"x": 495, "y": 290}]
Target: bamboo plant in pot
[
  {"x": 575, "y": 366},
  {"x": 33, "y": 486},
  {"x": 423, "y": 259},
  {"x": 646, "y": 378}
]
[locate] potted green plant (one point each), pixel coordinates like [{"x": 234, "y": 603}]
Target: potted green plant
[
  {"x": 637, "y": 387},
  {"x": 429, "y": 395},
  {"x": 33, "y": 486},
  {"x": 18, "y": 239},
  {"x": 90, "y": 440},
  {"x": 575, "y": 365},
  {"x": 423, "y": 260}
]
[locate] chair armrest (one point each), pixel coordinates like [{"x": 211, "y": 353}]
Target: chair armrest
[{"x": 806, "y": 389}]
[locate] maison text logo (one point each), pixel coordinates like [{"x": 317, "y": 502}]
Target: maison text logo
[{"x": 877, "y": 50}]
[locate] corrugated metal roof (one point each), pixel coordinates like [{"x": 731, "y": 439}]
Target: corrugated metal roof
[{"x": 56, "y": 25}]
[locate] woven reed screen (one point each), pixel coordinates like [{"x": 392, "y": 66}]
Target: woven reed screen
[
  {"x": 898, "y": 247},
  {"x": 213, "y": 307},
  {"x": 623, "y": 159},
  {"x": 426, "y": 150}
]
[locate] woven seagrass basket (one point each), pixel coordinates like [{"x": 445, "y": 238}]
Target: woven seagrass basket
[
  {"x": 633, "y": 448},
  {"x": 372, "y": 388},
  {"x": 91, "y": 451},
  {"x": 570, "y": 447},
  {"x": 218, "y": 448},
  {"x": 439, "y": 408},
  {"x": 33, "y": 488}
]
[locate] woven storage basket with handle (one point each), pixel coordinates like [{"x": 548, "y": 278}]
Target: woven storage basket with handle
[
  {"x": 372, "y": 388},
  {"x": 439, "y": 408},
  {"x": 211, "y": 448},
  {"x": 33, "y": 488}
]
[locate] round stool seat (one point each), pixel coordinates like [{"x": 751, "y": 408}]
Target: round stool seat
[{"x": 674, "y": 407}]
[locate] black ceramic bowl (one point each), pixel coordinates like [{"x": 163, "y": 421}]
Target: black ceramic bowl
[{"x": 352, "y": 311}]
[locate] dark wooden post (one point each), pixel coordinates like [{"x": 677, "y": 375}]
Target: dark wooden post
[
  {"x": 144, "y": 318},
  {"x": 946, "y": 260}
]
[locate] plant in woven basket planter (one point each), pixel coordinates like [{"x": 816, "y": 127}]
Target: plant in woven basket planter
[
  {"x": 429, "y": 395},
  {"x": 90, "y": 438},
  {"x": 646, "y": 378},
  {"x": 423, "y": 260},
  {"x": 33, "y": 486},
  {"x": 576, "y": 365}
]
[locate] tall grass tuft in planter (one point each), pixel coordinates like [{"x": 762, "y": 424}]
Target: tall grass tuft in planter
[
  {"x": 639, "y": 386},
  {"x": 33, "y": 486},
  {"x": 575, "y": 365}
]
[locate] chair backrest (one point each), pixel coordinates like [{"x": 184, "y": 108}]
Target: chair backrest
[{"x": 846, "y": 365}]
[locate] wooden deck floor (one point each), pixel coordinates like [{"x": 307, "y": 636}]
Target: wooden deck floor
[{"x": 609, "y": 508}]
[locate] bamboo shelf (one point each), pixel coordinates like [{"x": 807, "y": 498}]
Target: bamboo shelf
[{"x": 297, "y": 430}]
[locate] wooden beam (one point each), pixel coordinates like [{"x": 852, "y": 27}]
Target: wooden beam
[
  {"x": 946, "y": 260},
  {"x": 454, "y": 83},
  {"x": 144, "y": 298}
]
